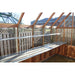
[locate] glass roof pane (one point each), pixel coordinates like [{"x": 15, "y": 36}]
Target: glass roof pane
[
  {"x": 8, "y": 17},
  {"x": 1, "y": 20}
]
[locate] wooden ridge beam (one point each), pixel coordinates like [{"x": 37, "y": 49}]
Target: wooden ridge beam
[
  {"x": 63, "y": 20},
  {"x": 48, "y": 20},
  {"x": 57, "y": 20}
]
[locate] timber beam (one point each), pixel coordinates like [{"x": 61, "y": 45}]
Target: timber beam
[
  {"x": 63, "y": 20},
  {"x": 57, "y": 20},
  {"x": 48, "y": 20}
]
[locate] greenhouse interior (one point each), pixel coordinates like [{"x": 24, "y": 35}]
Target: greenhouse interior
[{"x": 37, "y": 43}]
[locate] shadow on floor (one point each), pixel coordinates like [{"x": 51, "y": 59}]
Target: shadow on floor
[{"x": 59, "y": 58}]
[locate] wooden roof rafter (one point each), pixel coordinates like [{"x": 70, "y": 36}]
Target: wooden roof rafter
[
  {"x": 67, "y": 21},
  {"x": 72, "y": 19},
  {"x": 7, "y": 25},
  {"x": 18, "y": 25},
  {"x": 63, "y": 20},
  {"x": 19, "y": 21},
  {"x": 57, "y": 20},
  {"x": 71, "y": 22},
  {"x": 48, "y": 20},
  {"x": 46, "y": 24},
  {"x": 32, "y": 26},
  {"x": 36, "y": 20}
]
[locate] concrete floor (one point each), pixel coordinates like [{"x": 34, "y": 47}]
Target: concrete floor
[{"x": 59, "y": 58}]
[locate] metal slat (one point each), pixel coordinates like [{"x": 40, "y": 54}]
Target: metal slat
[
  {"x": 11, "y": 43},
  {"x": 5, "y": 44},
  {"x": 1, "y": 43},
  {"x": 19, "y": 42},
  {"x": 8, "y": 44},
  {"x": 31, "y": 39},
  {"x": 27, "y": 40},
  {"x": 22, "y": 41},
  {"x": 29, "y": 36}
]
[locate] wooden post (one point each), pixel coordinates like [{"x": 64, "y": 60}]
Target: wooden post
[
  {"x": 67, "y": 36},
  {"x": 32, "y": 37},
  {"x": 43, "y": 36},
  {"x": 51, "y": 32},
  {"x": 55, "y": 23},
  {"x": 64, "y": 32},
  {"x": 45, "y": 25},
  {"x": 18, "y": 25},
  {"x": 19, "y": 21},
  {"x": 72, "y": 26},
  {"x": 56, "y": 35},
  {"x": 17, "y": 40},
  {"x": 33, "y": 28}
]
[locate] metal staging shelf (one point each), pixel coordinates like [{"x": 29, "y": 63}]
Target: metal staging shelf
[{"x": 31, "y": 52}]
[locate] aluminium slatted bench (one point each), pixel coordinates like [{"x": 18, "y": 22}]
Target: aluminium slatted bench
[{"x": 18, "y": 57}]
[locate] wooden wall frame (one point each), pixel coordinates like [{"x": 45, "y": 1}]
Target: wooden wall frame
[
  {"x": 33, "y": 28},
  {"x": 46, "y": 24}
]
